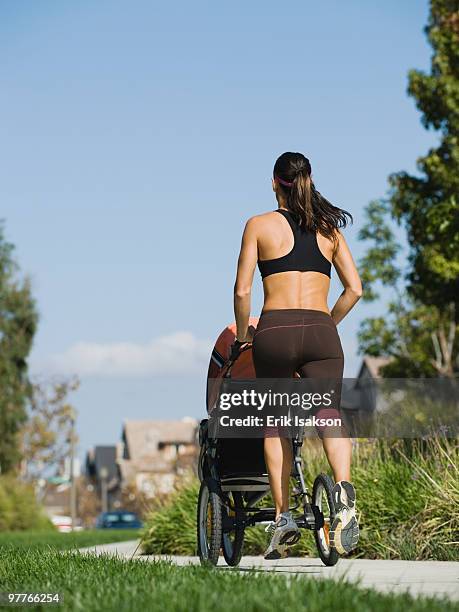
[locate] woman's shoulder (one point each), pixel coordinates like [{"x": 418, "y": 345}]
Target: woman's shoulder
[{"x": 263, "y": 219}]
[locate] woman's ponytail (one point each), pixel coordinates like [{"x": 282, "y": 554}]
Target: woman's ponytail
[
  {"x": 313, "y": 211},
  {"x": 299, "y": 198}
]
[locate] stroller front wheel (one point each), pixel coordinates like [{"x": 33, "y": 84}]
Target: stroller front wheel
[
  {"x": 322, "y": 498},
  {"x": 209, "y": 525},
  {"x": 233, "y": 539}
]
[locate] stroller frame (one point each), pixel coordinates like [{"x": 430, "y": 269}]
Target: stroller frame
[
  {"x": 233, "y": 500},
  {"x": 227, "y": 502}
]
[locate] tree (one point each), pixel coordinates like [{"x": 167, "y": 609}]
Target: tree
[
  {"x": 89, "y": 504},
  {"x": 47, "y": 433},
  {"x": 18, "y": 323},
  {"x": 420, "y": 329},
  {"x": 421, "y": 339},
  {"x": 428, "y": 205}
]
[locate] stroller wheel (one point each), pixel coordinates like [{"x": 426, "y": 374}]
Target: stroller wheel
[
  {"x": 209, "y": 525},
  {"x": 323, "y": 499},
  {"x": 202, "y": 464},
  {"x": 233, "y": 539}
]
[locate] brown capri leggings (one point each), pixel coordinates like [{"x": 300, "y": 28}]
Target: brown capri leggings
[{"x": 302, "y": 341}]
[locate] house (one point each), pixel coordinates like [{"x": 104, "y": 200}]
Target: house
[
  {"x": 370, "y": 371},
  {"x": 359, "y": 398},
  {"x": 55, "y": 498},
  {"x": 102, "y": 470},
  {"x": 155, "y": 453},
  {"x": 359, "y": 393},
  {"x": 371, "y": 367}
]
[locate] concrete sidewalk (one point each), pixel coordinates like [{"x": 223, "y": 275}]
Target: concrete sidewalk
[{"x": 434, "y": 578}]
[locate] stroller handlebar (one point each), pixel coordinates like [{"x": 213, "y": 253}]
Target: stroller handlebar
[{"x": 237, "y": 348}]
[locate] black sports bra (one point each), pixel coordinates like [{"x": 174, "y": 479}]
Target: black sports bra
[{"x": 304, "y": 257}]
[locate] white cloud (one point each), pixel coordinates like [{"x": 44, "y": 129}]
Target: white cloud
[{"x": 178, "y": 353}]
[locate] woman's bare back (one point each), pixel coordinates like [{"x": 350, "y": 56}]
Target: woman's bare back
[{"x": 290, "y": 289}]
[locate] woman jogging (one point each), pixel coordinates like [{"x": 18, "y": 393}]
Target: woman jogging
[{"x": 295, "y": 247}]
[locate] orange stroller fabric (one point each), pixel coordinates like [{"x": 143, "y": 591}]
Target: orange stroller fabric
[{"x": 242, "y": 368}]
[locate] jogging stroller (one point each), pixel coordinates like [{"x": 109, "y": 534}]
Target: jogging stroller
[{"x": 234, "y": 477}]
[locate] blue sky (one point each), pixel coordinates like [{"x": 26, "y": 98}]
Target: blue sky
[{"x": 137, "y": 139}]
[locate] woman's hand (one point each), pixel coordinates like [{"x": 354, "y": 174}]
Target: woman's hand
[
  {"x": 238, "y": 343},
  {"x": 248, "y": 338}
]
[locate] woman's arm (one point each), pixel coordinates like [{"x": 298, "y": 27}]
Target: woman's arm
[
  {"x": 244, "y": 278},
  {"x": 349, "y": 276}
]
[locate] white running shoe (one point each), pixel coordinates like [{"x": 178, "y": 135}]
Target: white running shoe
[
  {"x": 284, "y": 532},
  {"x": 344, "y": 531}
]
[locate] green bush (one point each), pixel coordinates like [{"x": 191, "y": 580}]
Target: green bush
[
  {"x": 171, "y": 528},
  {"x": 18, "y": 507},
  {"x": 407, "y": 498},
  {"x": 407, "y": 501}
]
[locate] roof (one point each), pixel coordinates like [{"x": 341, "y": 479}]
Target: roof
[
  {"x": 145, "y": 438},
  {"x": 373, "y": 365},
  {"x": 105, "y": 457},
  {"x": 155, "y": 465}
]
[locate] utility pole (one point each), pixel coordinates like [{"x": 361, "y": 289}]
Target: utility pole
[{"x": 73, "y": 500}]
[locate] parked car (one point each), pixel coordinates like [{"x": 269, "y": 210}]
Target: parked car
[{"x": 118, "y": 519}]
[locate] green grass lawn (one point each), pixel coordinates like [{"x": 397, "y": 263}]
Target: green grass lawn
[
  {"x": 44, "y": 562},
  {"x": 102, "y": 583},
  {"x": 106, "y": 583},
  {"x": 63, "y": 541}
]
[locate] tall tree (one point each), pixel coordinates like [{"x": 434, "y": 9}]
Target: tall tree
[
  {"x": 428, "y": 205},
  {"x": 421, "y": 339},
  {"x": 18, "y": 323},
  {"x": 420, "y": 329}
]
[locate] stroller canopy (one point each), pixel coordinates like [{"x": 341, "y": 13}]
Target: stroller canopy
[{"x": 241, "y": 368}]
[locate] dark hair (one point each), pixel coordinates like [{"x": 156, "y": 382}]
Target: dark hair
[{"x": 293, "y": 173}]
